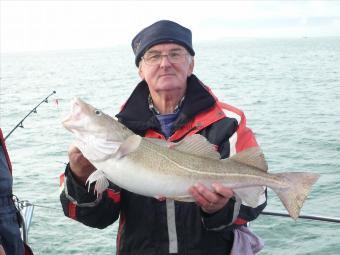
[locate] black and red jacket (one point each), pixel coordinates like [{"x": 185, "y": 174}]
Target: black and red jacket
[{"x": 148, "y": 226}]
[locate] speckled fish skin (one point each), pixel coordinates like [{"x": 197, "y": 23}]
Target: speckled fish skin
[{"x": 152, "y": 167}]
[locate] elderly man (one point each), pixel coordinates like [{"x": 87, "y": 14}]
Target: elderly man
[{"x": 169, "y": 103}]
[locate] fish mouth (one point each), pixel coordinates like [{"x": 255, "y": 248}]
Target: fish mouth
[
  {"x": 66, "y": 121},
  {"x": 70, "y": 121}
]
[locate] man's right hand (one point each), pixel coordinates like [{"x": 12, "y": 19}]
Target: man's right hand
[{"x": 80, "y": 166}]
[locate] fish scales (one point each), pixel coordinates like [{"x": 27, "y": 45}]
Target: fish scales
[
  {"x": 172, "y": 162},
  {"x": 151, "y": 167}
]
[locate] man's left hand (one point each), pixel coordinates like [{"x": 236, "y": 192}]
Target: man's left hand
[{"x": 209, "y": 200}]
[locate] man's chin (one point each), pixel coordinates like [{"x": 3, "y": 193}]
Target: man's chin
[{"x": 169, "y": 87}]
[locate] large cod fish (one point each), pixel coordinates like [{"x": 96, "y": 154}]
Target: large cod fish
[{"x": 156, "y": 168}]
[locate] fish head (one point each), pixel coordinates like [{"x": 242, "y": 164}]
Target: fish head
[
  {"x": 94, "y": 130},
  {"x": 85, "y": 119}
]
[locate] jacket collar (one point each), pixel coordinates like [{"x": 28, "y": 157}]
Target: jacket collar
[{"x": 137, "y": 116}]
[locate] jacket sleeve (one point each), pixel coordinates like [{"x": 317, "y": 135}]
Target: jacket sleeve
[
  {"x": 235, "y": 213},
  {"x": 84, "y": 206}
]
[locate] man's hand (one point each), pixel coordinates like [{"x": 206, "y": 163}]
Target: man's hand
[
  {"x": 80, "y": 166},
  {"x": 211, "y": 201}
]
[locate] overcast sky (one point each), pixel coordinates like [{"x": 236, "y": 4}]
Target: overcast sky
[{"x": 47, "y": 25}]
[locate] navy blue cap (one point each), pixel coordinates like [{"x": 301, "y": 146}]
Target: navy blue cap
[{"x": 163, "y": 31}]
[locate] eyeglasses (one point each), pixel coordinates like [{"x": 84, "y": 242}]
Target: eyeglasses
[{"x": 155, "y": 58}]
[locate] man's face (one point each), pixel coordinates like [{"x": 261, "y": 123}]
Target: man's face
[{"x": 166, "y": 76}]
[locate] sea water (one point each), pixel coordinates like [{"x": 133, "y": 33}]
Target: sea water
[{"x": 289, "y": 90}]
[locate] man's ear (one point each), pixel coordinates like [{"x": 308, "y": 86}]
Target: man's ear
[
  {"x": 140, "y": 71},
  {"x": 191, "y": 66}
]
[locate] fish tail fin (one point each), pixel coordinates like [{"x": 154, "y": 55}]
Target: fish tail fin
[{"x": 293, "y": 196}]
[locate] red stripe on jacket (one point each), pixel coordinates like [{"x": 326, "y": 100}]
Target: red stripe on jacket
[
  {"x": 240, "y": 221},
  {"x": 2, "y": 140},
  {"x": 72, "y": 210},
  {"x": 120, "y": 231},
  {"x": 61, "y": 179},
  {"x": 115, "y": 196}
]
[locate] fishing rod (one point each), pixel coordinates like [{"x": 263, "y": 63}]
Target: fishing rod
[
  {"x": 309, "y": 217},
  {"x": 34, "y": 110}
]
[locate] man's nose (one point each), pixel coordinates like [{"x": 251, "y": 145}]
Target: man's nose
[{"x": 165, "y": 61}]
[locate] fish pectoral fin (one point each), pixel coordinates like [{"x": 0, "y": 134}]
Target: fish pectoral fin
[
  {"x": 252, "y": 157},
  {"x": 250, "y": 196},
  {"x": 100, "y": 179},
  {"x": 92, "y": 152},
  {"x": 196, "y": 145},
  {"x": 184, "y": 198},
  {"x": 129, "y": 145},
  {"x": 104, "y": 146}
]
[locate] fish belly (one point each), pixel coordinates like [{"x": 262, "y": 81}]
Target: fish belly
[{"x": 138, "y": 179}]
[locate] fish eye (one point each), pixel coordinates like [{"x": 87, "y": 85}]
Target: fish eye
[{"x": 98, "y": 112}]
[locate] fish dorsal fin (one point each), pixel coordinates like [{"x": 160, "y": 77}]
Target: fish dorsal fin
[
  {"x": 156, "y": 141},
  {"x": 196, "y": 145},
  {"x": 129, "y": 145},
  {"x": 251, "y": 157}
]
